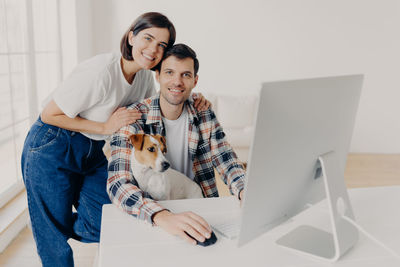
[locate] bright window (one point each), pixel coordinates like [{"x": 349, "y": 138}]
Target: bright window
[{"x": 30, "y": 68}]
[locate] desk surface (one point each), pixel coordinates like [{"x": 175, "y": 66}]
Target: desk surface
[{"x": 128, "y": 241}]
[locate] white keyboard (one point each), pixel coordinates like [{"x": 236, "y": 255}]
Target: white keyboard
[{"x": 229, "y": 229}]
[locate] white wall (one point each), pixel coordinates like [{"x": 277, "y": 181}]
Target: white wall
[
  {"x": 76, "y": 33},
  {"x": 241, "y": 44},
  {"x": 68, "y": 28}
]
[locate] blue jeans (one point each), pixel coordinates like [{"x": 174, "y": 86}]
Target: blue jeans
[{"x": 62, "y": 169}]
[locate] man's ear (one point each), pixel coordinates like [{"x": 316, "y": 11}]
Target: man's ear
[
  {"x": 195, "y": 80},
  {"x": 137, "y": 141},
  {"x": 163, "y": 143}
]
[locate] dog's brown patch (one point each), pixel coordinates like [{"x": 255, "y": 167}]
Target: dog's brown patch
[
  {"x": 146, "y": 152},
  {"x": 137, "y": 141}
]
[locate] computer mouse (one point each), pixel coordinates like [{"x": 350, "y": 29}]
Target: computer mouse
[{"x": 207, "y": 242}]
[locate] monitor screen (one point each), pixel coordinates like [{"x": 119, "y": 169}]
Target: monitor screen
[{"x": 297, "y": 122}]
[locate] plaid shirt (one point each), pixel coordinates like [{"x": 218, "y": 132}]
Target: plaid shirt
[{"x": 208, "y": 149}]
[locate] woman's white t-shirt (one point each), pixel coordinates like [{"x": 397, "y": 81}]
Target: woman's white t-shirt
[{"x": 97, "y": 87}]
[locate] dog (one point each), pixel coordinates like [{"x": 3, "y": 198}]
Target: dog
[{"x": 153, "y": 173}]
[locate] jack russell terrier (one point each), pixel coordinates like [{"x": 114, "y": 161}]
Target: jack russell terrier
[{"x": 153, "y": 173}]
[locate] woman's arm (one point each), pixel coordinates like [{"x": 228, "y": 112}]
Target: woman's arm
[{"x": 53, "y": 115}]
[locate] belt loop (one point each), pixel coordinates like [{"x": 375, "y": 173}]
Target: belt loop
[{"x": 72, "y": 133}]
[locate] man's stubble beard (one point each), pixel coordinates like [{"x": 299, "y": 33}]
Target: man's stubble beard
[{"x": 170, "y": 101}]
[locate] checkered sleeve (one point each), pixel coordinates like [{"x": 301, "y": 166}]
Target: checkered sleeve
[
  {"x": 224, "y": 158},
  {"x": 122, "y": 187}
]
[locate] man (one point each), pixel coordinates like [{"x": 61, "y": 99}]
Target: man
[{"x": 196, "y": 145}]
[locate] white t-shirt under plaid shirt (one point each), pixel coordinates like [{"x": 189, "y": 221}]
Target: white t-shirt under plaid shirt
[
  {"x": 97, "y": 87},
  {"x": 176, "y": 134}
]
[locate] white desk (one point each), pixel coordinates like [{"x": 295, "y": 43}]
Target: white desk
[{"x": 126, "y": 241}]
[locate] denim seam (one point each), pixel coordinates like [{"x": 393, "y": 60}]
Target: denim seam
[
  {"x": 91, "y": 220},
  {"x": 32, "y": 214},
  {"x": 35, "y": 149},
  {"x": 90, "y": 148},
  {"x": 83, "y": 202}
]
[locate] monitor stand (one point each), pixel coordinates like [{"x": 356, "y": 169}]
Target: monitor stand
[{"x": 316, "y": 242}]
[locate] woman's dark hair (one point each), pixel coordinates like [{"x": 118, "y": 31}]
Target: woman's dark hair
[
  {"x": 181, "y": 51},
  {"x": 145, "y": 21}
]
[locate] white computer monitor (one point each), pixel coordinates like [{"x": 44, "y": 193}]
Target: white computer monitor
[{"x": 298, "y": 153}]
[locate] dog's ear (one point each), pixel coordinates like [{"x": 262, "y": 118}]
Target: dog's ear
[
  {"x": 163, "y": 143},
  {"x": 137, "y": 141}
]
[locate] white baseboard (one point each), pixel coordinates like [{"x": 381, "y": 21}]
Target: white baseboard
[
  {"x": 13, "y": 230},
  {"x": 14, "y": 217}
]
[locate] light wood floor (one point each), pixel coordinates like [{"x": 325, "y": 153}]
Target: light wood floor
[
  {"x": 22, "y": 252},
  {"x": 362, "y": 170},
  {"x": 366, "y": 170}
]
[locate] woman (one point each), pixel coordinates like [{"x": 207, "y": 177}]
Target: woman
[{"x": 63, "y": 164}]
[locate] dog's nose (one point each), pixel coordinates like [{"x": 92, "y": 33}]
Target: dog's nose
[{"x": 165, "y": 165}]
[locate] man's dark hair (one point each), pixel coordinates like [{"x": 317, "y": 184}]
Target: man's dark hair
[
  {"x": 181, "y": 51},
  {"x": 145, "y": 21}
]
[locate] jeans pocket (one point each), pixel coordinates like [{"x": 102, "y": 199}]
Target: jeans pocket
[{"x": 45, "y": 136}]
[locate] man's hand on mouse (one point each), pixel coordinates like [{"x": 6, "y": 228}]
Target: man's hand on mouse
[{"x": 179, "y": 223}]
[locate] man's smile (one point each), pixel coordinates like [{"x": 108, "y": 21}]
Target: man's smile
[{"x": 176, "y": 90}]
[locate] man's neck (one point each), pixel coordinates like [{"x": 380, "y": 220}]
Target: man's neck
[{"x": 169, "y": 111}]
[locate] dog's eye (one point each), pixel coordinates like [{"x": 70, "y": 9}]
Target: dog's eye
[{"x": 151, "y": 149}]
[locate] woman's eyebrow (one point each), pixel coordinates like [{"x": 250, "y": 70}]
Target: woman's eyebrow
[
  {"x": 149, "y": 35},
  {"x": 154, "y": 38}
]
